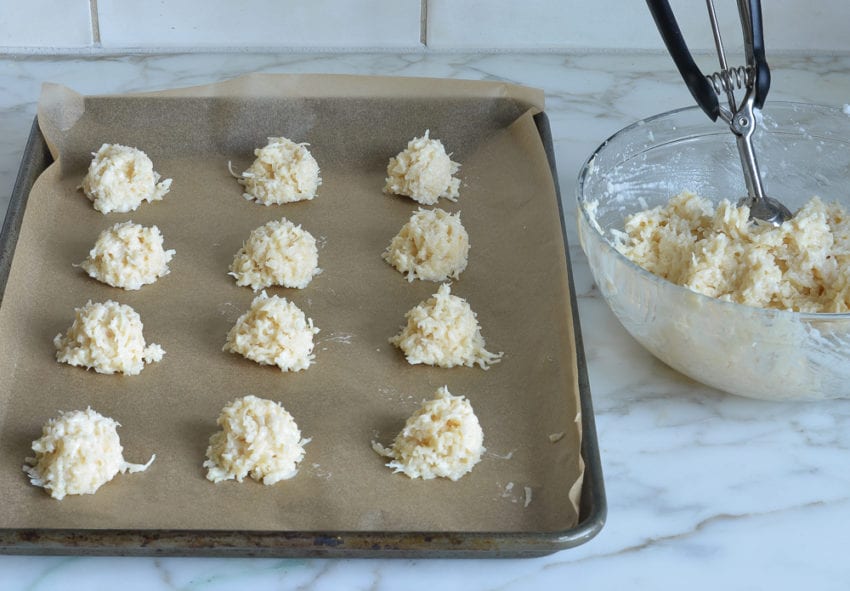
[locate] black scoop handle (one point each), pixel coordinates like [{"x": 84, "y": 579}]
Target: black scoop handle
[{"x": 701, "y": 89}]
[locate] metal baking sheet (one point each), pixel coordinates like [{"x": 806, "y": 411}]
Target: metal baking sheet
[{"x": 93, "y": 525}]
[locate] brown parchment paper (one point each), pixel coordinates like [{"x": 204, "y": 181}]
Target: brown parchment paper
[{"x": 360, "y": 388}]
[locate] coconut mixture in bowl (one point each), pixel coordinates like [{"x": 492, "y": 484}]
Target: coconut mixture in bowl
[{"x": 741, "y": 332}]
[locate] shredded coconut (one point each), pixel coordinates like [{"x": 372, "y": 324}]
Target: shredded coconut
[
  {"x": 258, "y": 438},
  {"x": 277, "y": 253},
  {"x": 433, "y": 246},
  {"x": 283, "y": 172},
  {"x": 106, "y": 337},
  {"x": 274, "y": 331},
  {"x": 120, "y": 178},
  {"x": 128, "y": 256},
  {"x": 423, "y": 172},
  {"x": 443, "y": 330},
  {"x": 442, "y": 439},
  {"x": 78, "y": 452},
  {"x": 802, "y": 265}
]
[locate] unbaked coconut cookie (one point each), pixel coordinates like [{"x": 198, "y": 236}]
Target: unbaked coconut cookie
[
  {"x": 128, "y": 256},
  {"x": 274, "y": 331},
  {"x": 443, "y": 331},
  {"x": 121, "y": 178},
  {"x": 423, "y": 172},
  {"x": 258, "y": 438},
  {"x": 282, "y": 173},
  {"x": 277, "y": 253},
  {"x": 441, "y": 439},
  {"x": 432, "y": 245},
  {"x": 106, "y": 337},
  {"x": 78, "y": 452}
]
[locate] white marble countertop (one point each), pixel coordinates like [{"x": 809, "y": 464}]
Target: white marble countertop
[{"x": 704, "y": 490}]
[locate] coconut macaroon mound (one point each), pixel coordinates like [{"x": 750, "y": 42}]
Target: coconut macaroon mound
[
  {"x": 277, "y": 253},
  {"x": 274, "y": 331},
  {"x": 423, "y": 171},
  {"x": 444, "y": 331},
  {"x": 77, "y": 453},
  {"x": 283, "y": 172},
  {"x": 121, "y": 178},
  {"x": 441, "y": 439},
  {"x": 128, "y": 256},
  {"x": 106, "y": 337},
  {"x": 258, "y": 438},
  {"x": 433, "y": 245}
]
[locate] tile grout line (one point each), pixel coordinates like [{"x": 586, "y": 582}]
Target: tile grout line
[
  {"x": 423, "y": 22},
  {"x": 95, "y": 23}
]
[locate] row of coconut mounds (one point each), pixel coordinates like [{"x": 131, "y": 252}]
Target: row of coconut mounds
[
  {"x": 443, "y": 438},
  {"x": 107, "y": 337}
]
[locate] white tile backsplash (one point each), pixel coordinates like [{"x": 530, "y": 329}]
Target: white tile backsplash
[
  {"x": 626, "y": 24},
  {"x": 260, "y": 23},
  {"x": 454, "y": 25},
  {"x": 547, "y": 24},
  {"x": 45, "y": 23}
]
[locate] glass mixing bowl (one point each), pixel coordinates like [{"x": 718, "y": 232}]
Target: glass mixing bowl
[{"x": 803, "y": 150}]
